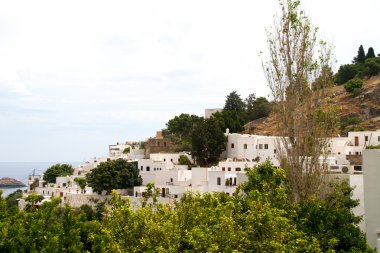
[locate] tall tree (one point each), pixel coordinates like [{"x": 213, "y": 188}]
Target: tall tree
[
  {"x": 296, "y": 59},
  {"x": 234, "y": 102},
  {"x": 360, "y": 58},
  {"x": 370, "y": 53},
  {"x": 208, "y": 142}
]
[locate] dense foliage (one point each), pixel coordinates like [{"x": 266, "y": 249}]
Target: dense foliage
[
  {"x": 257, "y": 219},
  {"x": 364, "y": 65},
  {"x": 57, "y": 170},
  {"x": 114, "y": 174},
  {"x": 353, "y": 85},
  {"x": 208, "y": 142},
  {"x": 179, "y": 129}
]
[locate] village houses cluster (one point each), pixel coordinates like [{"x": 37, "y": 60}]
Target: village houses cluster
[{"x": 159, "y": 165}]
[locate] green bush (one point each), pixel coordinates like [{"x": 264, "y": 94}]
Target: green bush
[
  {"x": 355, "y": 83},
  {"x": 372, "y": 67}
]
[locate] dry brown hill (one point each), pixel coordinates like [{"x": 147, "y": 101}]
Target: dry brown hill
[{"x": 356, "y": 113}]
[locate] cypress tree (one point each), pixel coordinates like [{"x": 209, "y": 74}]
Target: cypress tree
[
  {"x": 370, "y": 53},
  {"x": 361, "y": 55}
]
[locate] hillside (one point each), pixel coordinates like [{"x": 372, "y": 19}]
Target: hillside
[{"x": 355, "y": 113}]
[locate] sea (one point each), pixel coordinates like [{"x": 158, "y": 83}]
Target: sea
[{"x": 22, "y": 170}]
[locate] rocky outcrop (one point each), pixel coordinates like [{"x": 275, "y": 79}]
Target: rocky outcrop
[{"x": 7, "y": 182}]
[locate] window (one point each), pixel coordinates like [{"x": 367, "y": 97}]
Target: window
[
  {"x": 356, "y": 153},
  {"x": 378, "y": 138},
  {"x": 158, "y": 143},
  {"x": 218, "y": 181},
  {"x": 265, "y": 146},
  {"x": 171, "y": 160},
  {"x": 147, "y": 168},
  {"x": 164, "y": 144},
  {"x": 245, "y": 146},
  {"x": 171, "y": 180},
  {"x": 229, "y": 168},
  {"x": 365, "y": 138},
  {"x": 275, "y": 151},
  {"x": 232, "y": 145},
  {"x": 238, "y": 169},
  {"x": 223, "y": 169},
  {"x": 142, "y": 167},
  {"x": 164, "y": 159},
  {"x": 260, "y": 146}
]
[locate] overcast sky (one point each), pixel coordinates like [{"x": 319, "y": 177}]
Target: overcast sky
[{"x": 76, "y": 76}]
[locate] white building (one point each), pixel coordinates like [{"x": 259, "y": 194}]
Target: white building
[
  {"x": 371, "y": 171},
  {"x": 253, "y": 147},
  {"x": 211, "y": 111}
]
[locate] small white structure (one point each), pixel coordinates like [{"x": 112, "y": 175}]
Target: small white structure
[{"x": 211, "y": 111}]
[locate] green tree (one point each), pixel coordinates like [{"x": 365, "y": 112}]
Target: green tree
[
  {"x": 257, "y": 107},
  {"x": 332, "y": 220},
  {"x": 114, "y": 174},
  {"x": 179, "y": 129},
  {"x": 184, "y": 160},
  {"x": 346, "y": 72},
  {"x": 370, "y": 53},
  {"x": 57, "y": 170},
  {"x": 208, "y": 142},
  {"x": 234, "y": 102},
  {"x": 360, "y": 58}
]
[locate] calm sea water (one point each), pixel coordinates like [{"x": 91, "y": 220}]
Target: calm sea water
[{"x": 21, "y": 171}]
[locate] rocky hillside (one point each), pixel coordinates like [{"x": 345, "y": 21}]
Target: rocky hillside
[
  {"x": 10, "y": 182},
  {"x": 358, "y": 113}
]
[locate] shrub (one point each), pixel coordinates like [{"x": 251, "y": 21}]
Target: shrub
[
  {"x": 355, "y": 83},
  {"x": 372, "y": 66}
]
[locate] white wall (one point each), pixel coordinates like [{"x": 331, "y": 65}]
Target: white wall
[{"x": 371, "y": 172}]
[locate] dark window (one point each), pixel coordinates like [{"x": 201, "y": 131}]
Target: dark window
[
  {"x": 164, "y": 144},
  {"x": 171, "y": 160},
  {"x": 366, "y": 138},
  {"x": 171, "y": 180},
  {"x": 275, "y": 151},
  {"x": 265, "y": 146},
  {"x": 164, "y": 160},
  {"x": 238, "y": 169},
  {"x": 218, "y": 181},
  {"x": 142, "y": 167},
  {"x": 338, "y": 153},
  {"x": 245, "y": 146},
  {"x": 158, "y": 143},
  {"x": 229, "y": 168},
  {"x": 223, "y": 168},
  {"x": 260, "y": 146},
  {"x": 232, "y": 145},
  {"x": 147, "y": 168}
]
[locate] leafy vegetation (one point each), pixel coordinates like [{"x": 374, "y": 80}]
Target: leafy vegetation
[
  {"x": 57, "y": 170},
  {"x": 208, "y": 142},
  {"x": 258, "y": 218},
  {"x": 127, "y": 150},
  {"x": 114, "y": 174},
  {"x": 354, "y": 85},
  {"x": 373, "y": 147}
]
